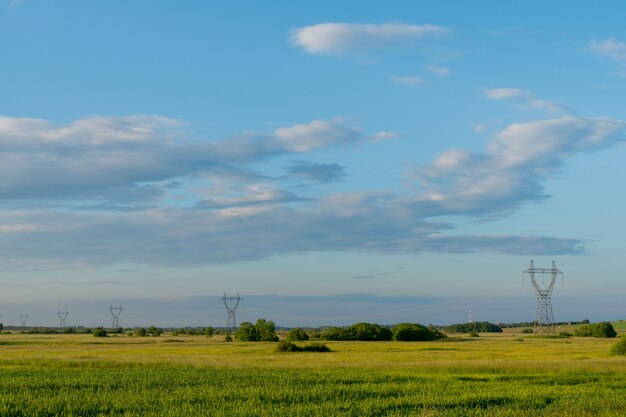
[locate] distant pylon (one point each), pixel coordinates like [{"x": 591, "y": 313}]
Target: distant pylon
[
  {"x": 23, "y": 319},
  {"x": 115, "y": 313},
  {"x": 544, "y": 318},
  {"x": 62, "y": 316},
  {"x": 231, "y": 321},
  {"x": 470, "y": 316}
]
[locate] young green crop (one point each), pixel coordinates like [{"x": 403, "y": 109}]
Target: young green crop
[{"x": 65, "y": 375}]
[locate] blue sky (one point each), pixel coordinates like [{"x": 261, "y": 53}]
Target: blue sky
[{"x": 388, "y": 162}]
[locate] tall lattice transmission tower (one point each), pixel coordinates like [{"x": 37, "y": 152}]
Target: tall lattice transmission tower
[
  {"x": 115, "y": 313},
  {"x": 544, "y": 319},
  {"x": 231, "y": 308},
  {"x": 23, "y": 319},
  {"x": 62, "y": 317}
]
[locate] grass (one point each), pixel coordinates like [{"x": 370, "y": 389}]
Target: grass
[{"x": 79, "y": 375}]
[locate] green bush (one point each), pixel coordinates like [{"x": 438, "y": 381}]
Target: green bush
[
  {"x": 603, "y": 329},
  {"x": 286, "y": 346},
  {"x": 99, "y": 332},
  {"x": 620, "y": 347},
  {"x": 208, "y": 332},
  {"x": 413, "y": 332},
  {"x": 473, "y": 333},
  {"x": 262, "y": 331},
  {"x": 141, "y": 332},
  {"x": 527, "y": 330},
  {"x": 296, "y": 335}
]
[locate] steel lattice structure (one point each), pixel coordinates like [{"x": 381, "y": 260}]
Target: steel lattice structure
[
  {"x": 231, "y": 321},
  {"x": 544, "y": 318},
  {"x": 115, "y": 313},
  {"x": 24, "y": 319},
  {"x": 62, "y": 316}
]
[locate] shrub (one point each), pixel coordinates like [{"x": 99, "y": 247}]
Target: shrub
[
  {"x": 413, "y": 332},
  {"x": 99, "y": 332},
  {"x": 564, "y": 335},
  {"x": 228, "y": 338},
  {"x": 620, "y": 347},
  {"x": 296, "y": 334},
  {"x": 286, "y": 346},
  {"x": 208, "y": 332},
  {"x": 473, "y": 333},
  {"x": 603, "y": 329},
  {"x": 527, "y": 330},
  {"x": 141, "y": 332}
]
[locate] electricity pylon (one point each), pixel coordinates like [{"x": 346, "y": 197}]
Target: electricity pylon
[
  {"x": 544, "y": 319},
  {"x": 62, "y": 316},
  {"x": 231, "y": 321},
  {"x": 115, "y": 313}
]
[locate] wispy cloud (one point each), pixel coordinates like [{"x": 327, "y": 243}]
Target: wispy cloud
[
  {"x": 343, "y": 38},
  {"x": 438, "y": 71},
  {"x": 411, "y": 81},
  {"x": 85, "y": 283},
  {"x": 612, "y": 49},
  {"x": 513, "y": 166},
  {"x": 134, "y": 159},
  {"x": 527, "y": 98}
]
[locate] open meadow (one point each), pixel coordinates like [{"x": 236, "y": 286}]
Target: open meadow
[{"x": 493, "y": 375}]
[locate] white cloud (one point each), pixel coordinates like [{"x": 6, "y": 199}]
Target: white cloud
[
  {"x": 609, "y": 48},
  {"x": 527, "y": 98},
  {"x": 342, "y": 38},
  {"x": 514, "y": 164},
  {"x": 438, "y": 71},
  {"x": 248, "y": 215},
  {"x": 411, "y": 81},
  {"x": 133, "y": 158},
  {"x": 612, "y": 49}
]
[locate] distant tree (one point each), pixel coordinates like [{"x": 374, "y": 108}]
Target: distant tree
[
  {"x": 99, "y": 332},
  {"x": 334, "y": 333},
  {"x": 527, "y": 330},
  {"x": 482, "y": 327},
  {"x": 208, "y": 332},
  {"x": 413, "y": 332},
  {"x": 228, "y": 338},
  {"x": 247, "y": 332},
  {"x": 296, "y": 334},
  {"x": 473, "y": 333},
  {"x": 141, "y": 332},
  {"x": 603, "y": 329},
  {"x": 266, "y": 330},
  {"x": 1, "y": 327}
]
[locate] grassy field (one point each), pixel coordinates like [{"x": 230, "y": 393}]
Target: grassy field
[{"x": 500, "y": 375}]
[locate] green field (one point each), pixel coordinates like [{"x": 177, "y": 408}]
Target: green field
[{"x": 500, "y": 375}]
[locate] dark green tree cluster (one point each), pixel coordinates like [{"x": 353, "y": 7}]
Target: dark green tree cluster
[
  {"x": 296, "y": 335},
  {"x": 287, "y": 346},
  {"x": 358, "y": 331},
  {"x": 194, "y": 331},
  {"x": 413, "y": 332},
  {"x": 603, "y": 329},
  {"x": 99, "y": 332},
  {"x": 262, "y": 331},
  {"x": 482, "y": 327},
  {"x": 375, "y": 332},
  {"x": 151, "y": 331}
]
